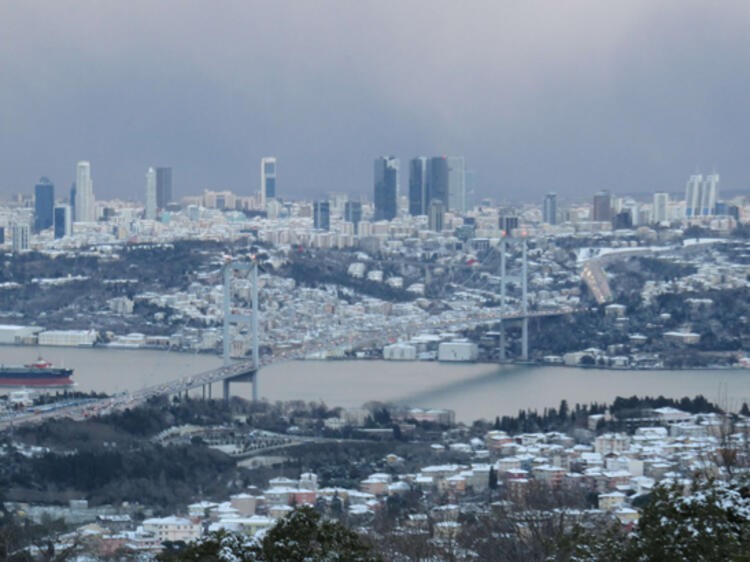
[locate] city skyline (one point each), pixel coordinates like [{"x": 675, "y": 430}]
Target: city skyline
[{"x": 532, "y": 101}]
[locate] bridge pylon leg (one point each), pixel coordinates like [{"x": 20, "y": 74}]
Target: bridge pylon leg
[
  {"x": 525, "y": 339},
  {"x": 225, "y": 388},
  {"x": 210, "y": 386},
  {"x": 204, "y": 392},
  {"x": 501, "y": 349}
]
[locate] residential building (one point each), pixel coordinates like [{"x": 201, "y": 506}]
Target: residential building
[{"x": 21, "y": 237}]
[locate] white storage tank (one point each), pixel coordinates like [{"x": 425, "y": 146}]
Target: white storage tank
[{"x": 458, "y": 351}]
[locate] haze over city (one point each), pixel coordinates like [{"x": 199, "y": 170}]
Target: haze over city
[{"x": 537, "y": 96}]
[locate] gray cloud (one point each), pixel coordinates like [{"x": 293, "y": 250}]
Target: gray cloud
[{"x": 572, "y": 96}]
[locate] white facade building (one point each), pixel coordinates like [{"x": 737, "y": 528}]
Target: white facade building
[
  {"x": 21, "y": 237},
  {"x": 661, "y": 207},
  {"x": 150, "y": 213},
  {"x": 85, "y": 204}
]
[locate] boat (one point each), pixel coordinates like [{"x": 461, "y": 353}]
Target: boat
[{"x": 38, "y": 373}]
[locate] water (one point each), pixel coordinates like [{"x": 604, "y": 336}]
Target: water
[{"x": 472, "y": 390}]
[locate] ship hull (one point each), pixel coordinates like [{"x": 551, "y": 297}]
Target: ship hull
[{"x": 32, "y": 375}]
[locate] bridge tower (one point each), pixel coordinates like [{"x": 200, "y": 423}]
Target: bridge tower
[
  {"x": 524, "y": 298},
  {"x": 233, "y": 319}
]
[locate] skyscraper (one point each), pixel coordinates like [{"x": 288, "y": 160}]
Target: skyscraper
[
  {"x": 322, "y": 215},
  {"x": 602, "y": 206},
  {"x": 456, "y": 184},
  {"x": 63, "y": 221},
  {"x": 661, "y": 205},
  {"x": 419, "y": 196},
  {"x": 73, "y": 201},
  {"x": 163, "y": 187},
  {"x": 437, "y": 179},
  {"x": 85, "y": 204},
  {"x": 709, "y": 194},
  {"x": 550, "y": 208},
  {"x": 267, "y": 179},
  {"x": 693, "y": 195},
  {"x": 44, "y": 204},
  {"x": 353, "y": 214},
  {"x": 150, "y": 211},
  {"x": 386, "y": 187}
]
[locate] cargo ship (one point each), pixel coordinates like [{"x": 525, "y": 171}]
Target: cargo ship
[{"x": 38, "y": 373}]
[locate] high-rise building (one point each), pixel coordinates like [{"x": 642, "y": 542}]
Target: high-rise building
[
  {"x": 549, "y": 214},
  {"x": 353, "y": 214},
  {"x": 85, "y": 204},
  {"x": 150, "y": 211},
  {"x": 507, "y": 222},
  {"x": 693, "y": 195},
  {"x": 21, "y": 237},
  {"x": 456, "y": 184},
  {"x": 73, "y": 201},
  {"x": 267, "y": 179},
  {"x": 322, "y": 215},
  {"x": 419, "y": 195},
  {"x": 709, "y": 194},
  {"x": 386, "y": 187},
  {"x": 602, "y": 206},
  {"x": 436, "y": 215},
  {"x": 701, "y": 194},
  {"x": 63, "y": 221},
  {"x": 44, "y": 204},
  {"x": 163, "y": 187},
  {"x": 661, "y": 207},
  {"x": 437, "y": 179}
]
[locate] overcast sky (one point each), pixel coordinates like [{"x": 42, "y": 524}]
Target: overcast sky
[{"x": 574, "y": 97}]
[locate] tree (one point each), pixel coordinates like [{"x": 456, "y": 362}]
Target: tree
[
  {"x": 492, "y": 481},
  {"x": 300, "y": 536}
]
